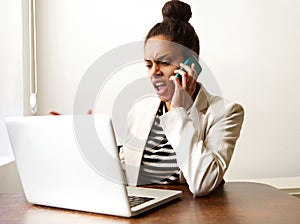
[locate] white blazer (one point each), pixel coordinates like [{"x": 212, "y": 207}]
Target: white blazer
[{"x": 203, "y": 138}]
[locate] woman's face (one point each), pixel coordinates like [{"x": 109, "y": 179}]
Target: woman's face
[{"x": 162, "y": 57}]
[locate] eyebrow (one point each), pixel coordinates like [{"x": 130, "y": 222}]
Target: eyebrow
[{"x": 160, "y": 58}]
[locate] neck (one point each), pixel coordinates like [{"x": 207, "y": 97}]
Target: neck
[{"x": 168, "y": 105}]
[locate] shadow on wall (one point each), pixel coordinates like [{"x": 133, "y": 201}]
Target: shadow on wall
[{"x": 9, "y": 179}]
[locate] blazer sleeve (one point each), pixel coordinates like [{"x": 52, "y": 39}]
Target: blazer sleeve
[{"x": 204, "y": 153}]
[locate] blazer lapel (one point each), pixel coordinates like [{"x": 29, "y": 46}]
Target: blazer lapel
[{"x": 199, "y": 108}]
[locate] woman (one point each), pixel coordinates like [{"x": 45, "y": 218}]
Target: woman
[{"x": 185, "y": 135}]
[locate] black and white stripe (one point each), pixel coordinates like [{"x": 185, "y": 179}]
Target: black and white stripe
[{"x": 159, "y": 164}]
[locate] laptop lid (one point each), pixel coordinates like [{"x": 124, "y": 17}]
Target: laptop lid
[{"x": 71, "y": 161}]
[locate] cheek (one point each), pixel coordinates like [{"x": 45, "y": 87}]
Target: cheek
[{"x": 169, "y": 72}]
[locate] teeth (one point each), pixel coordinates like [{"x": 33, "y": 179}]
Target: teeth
[{"x": 159, "y": 84}]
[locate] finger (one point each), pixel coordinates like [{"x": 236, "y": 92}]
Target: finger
[
  {"x": 187, "y": 68},
  {"x": 194, "y": 73},
  {"x": 175, "y": 79},
  {"x": 183, "y": 74},
  {"x": 185, "y": 81},
  {"x": 190, "y": 70},
  {"x": 179, "y": 71},
  {"x": 89, "y": 111}
]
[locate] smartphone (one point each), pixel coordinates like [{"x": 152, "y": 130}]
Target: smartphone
[{"x": 189, "y": 62}]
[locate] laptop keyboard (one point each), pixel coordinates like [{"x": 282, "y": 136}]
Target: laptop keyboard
[{"x": 137, "y": 200}]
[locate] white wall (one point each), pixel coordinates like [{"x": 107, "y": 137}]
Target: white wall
[
  {"x": 11, "y": 76},
  {"x": 251, "y": 47},
  {"x": 11, "y": 86}
]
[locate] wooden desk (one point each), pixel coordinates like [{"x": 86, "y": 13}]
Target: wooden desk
[{"x": 230, "y": 203}]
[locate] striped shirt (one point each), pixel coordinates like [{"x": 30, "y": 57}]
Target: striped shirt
[{"x": 159, "y": 164}]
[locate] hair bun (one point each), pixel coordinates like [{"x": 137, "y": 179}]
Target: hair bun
[{"x": 178, "y": 10}]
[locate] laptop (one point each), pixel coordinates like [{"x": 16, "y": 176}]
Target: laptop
[{"x": 71, "y": 162}]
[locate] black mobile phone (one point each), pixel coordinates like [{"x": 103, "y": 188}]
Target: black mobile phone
[{"x": 189, "y": 62}]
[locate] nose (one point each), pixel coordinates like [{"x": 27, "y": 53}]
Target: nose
[{"x": 155, "y": 70}]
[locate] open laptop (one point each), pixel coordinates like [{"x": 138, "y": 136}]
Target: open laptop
[{"x": 71, "y": 161}]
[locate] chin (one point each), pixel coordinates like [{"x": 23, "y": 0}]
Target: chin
[{"x": 164, "y": 98}]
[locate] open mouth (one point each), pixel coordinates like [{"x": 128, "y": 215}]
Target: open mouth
[{"x": 160, "y": 87}]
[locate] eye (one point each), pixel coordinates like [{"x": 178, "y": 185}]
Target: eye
[
  {"x": 165, "y": 63},
  {"x": 148, "y": 65}
]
